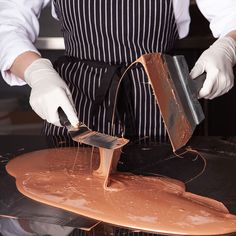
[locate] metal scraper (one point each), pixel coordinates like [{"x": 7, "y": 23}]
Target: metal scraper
[
  {"x": 176, "y": 95},
  {"x": 82, "y": 134}
]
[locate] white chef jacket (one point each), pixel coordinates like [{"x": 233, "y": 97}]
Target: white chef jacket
[{"x": 19, "y": 26}]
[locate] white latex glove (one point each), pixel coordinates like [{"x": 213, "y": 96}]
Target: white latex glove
[
  {"x": 49, "y": 92},
  {"x": 217, "y": 61}
]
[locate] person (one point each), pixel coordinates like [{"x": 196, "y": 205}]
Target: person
[
  {"x": 102, "y": 37},
  {"x": 99, "y": 34}
]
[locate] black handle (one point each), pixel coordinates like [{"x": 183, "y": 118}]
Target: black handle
[
  {"x": 63, "y": 118},
  {"x": 198, "y": 81}
]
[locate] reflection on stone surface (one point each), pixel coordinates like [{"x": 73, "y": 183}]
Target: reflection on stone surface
[{"x": 150, "y": 203}]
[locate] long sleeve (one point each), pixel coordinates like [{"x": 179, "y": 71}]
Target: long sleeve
[
  {"x": 221, "y": 15},
  {"x": 19, "y": 28},
  {"x": 182, "y": 17}
]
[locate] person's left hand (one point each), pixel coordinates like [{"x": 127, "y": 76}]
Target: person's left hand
[{"x": 217, "y": 61}]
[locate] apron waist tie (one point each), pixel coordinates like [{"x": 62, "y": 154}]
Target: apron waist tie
[{"x": 124, "y": 112}]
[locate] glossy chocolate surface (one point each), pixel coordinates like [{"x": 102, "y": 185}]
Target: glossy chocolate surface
[{"x": 154, "y": 204}]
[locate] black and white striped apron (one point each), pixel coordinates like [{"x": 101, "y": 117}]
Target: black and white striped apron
[{"x": 101, "y": 36}]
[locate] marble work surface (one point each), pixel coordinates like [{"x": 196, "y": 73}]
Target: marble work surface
[{"x": 211, "y": 173}]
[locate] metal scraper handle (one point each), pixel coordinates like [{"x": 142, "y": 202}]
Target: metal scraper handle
[
  {"x": 63, "y": 118},
  {"x": 198, "y": 81},
  {"x": 66, "y": 123}
]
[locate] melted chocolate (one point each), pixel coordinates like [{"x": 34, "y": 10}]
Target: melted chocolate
[{"x": 153, "y": 204}]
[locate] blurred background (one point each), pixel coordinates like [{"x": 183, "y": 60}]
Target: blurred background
[{"x": 16, "y": 116}]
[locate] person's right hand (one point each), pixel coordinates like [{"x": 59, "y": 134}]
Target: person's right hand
[{"x": 49, "y": 92}]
